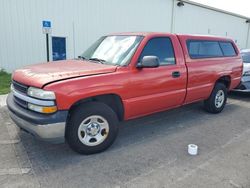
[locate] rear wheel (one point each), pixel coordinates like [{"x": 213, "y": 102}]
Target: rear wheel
[
  {"x": 217, "y": 100},
  {"x": 92, "y": 128}
]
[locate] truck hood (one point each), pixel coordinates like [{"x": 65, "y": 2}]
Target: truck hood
[{"x": 40, "y": 74}]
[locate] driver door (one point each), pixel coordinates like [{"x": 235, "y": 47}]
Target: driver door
[{"x": 157, "y": 89}]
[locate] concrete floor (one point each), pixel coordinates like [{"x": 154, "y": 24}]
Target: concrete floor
[{"x": 149, "y": 152}]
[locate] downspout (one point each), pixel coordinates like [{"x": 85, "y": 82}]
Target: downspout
[
  {"x": 173, "y": 16},
  {"x": 74, "y": 42},
  {"x": 248, "y": 33}
]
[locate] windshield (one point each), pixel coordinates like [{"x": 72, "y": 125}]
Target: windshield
[
  {"x": 245, "y": 57},
  {"x": 115, "y": 50}
]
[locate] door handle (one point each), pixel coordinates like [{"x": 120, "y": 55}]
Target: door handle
[{"x": 176, "y": 74}]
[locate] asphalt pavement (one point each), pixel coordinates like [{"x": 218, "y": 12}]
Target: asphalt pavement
[{"x": 149, "y": 152}]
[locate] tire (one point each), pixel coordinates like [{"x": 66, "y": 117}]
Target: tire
[
  {"x": 217, "y": 100},
  {"x": 92, "y": 128}
]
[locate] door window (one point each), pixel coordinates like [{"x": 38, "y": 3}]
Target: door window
[{"x": 162, "y": 48}]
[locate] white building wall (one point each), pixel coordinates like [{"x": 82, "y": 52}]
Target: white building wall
[
  {"x": 80, "y": 21},
  {"x": 83, "y": 21},
  {"x": 197, "y": 20}
]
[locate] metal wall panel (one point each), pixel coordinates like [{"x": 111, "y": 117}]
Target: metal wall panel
[
  {"x": 83, "y": 21},
  {"x": 80, "y": 21},
  {"x": 197, "y": 20}
]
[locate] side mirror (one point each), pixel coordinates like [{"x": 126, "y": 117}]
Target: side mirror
[{"x": 149, "y": 62}]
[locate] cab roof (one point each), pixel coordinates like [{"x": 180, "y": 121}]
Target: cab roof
[{"x": 193, "y": 36}]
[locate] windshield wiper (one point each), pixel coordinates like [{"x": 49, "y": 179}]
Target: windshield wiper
[
  {"x": 81, "y": 57},
  {"x": 102, "y": 61}
]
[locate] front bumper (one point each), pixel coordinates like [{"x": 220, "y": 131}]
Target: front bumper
[{"x": 43, "y": 126}]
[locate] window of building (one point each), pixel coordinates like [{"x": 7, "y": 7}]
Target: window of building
[{"x": 58, "y": 48}]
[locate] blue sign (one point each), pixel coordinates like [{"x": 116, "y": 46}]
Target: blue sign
[{"x": 46, "y": 24}]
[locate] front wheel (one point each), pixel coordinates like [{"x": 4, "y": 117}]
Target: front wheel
[
  {"x": 92, "y": 128},
  {"x": 217, "y": 100}
]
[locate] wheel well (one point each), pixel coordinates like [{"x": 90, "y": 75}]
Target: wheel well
[
  {"x": 226, "y": 80},
  {"x": 112, "y": 100}
]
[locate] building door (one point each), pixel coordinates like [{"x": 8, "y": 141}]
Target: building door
[{"x": 58, "y": 48}]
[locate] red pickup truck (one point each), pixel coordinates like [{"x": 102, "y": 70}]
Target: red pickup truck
[{"x": 120, "y": 77}]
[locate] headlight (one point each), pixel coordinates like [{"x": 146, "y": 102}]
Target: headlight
[
  {"x": 41, "y": 94},
  {"x": 42, "y": 109}
]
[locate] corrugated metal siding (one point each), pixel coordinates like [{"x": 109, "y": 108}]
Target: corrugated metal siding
[
  {"x": 83, "y": 21},
  {"x": 22, "y": 41},
  {"x": 197, "y": 20}
]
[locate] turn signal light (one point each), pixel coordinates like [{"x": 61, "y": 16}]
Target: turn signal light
[
  {"x": 42, "y": 109},
  {"x": 50, "y": 109}
]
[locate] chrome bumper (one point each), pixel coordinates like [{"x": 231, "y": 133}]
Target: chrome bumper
[
  {"x": 49, "y": 132},
  {"x": 243, "y": 91},
  {"x": 243, "y": 87}
]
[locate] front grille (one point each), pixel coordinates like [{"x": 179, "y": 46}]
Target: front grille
[
  {"x": 21, "y": 102},
  {"x": 19, "y": 87}
]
